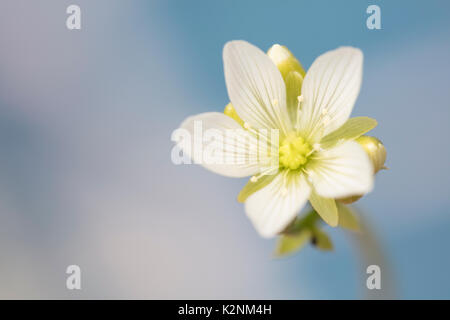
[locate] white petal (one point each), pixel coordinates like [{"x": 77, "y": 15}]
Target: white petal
[
  {"x": 342, "y": 171},
  {"x": 255, "y": 86},
  {"x": 236, "y": 157},
  {"x": 330, "y": 89},
  {"x": 272, "y": 208}
]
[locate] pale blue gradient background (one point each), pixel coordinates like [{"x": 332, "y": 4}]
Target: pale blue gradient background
[{"x": 85, "y": 171}]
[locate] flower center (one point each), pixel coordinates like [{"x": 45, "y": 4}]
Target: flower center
[{"x": 294, "y": 151}]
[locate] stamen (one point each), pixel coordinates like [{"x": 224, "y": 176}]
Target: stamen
[
  {"x": 324, "y": 120},
  {"x": 263, "y": 137},
  {"x": 299, "y": 111},
  {"x": 293, "y": 151},
  {"x": 316, "y": 147},
  {"x": 297, "y": 121},
  {"x": 264, "y": 172}
]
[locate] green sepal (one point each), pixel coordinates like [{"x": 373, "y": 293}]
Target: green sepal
[
  {"x": 350, "y": 130},
  {"x": 321, "y": 240},
  {"x": 251, "y": 187},
  {"x": 300, "y": 232},
  {"x": 306, "y": 221},
  {"x": 348, "y": 218},
  {"x": 326, "y": 208},
  {"x": 288, "y": 244}
]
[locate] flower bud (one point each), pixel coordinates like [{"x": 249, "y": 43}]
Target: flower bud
[
  {"x": 285, "y": 60},
  {"x": 349, "y": 200},
  {"x": 231, "y": 112},
  {"x": 375, "y": 150},
  {"x": 377, "y": 155}
]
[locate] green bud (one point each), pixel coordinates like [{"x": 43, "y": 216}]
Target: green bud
[
  {"x": 231, "y": 112},
  {"x": 375, "y": 150},
  {"x": 377, "y": 155},
  {"x": 285, "y": 60},
  {"x": 349, "y": 200}
]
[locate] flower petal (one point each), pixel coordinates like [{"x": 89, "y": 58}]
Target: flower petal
[
  {"x": 235, "y": 156},
  {"x": 326, "y": 208},
  {"x": 342, "y": 171},
  {"x": 350, "y": 130},
  {"x": 330, "y": 89},
  {"x": 272, "y": 208},
  {"x": 255, "y": 86}
]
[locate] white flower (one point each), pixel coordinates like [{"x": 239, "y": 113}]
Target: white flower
[{"x": 318, "y": 161}]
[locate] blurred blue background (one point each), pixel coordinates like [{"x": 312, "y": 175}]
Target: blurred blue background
[{"x": 85, "y": 170}]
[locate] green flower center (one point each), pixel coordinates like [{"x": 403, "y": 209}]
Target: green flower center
[{"x": 294, "y": 151}]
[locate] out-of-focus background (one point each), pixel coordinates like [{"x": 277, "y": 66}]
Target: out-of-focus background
[{"x": 86, "y": 176}]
